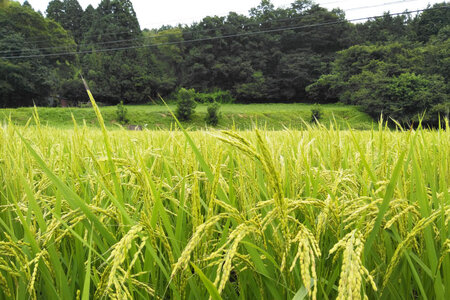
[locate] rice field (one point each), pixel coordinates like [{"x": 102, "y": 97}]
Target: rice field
[{"x": 322, "y": 213}]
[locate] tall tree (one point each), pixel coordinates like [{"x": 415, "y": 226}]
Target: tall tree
[
  {"x": 55, "y": 10},
  {"x": 68, "y": 13},
  {"x": 24, "y": 81},
  {"x": 431, "y": 21},
  {"x": 89, "y": 16},
  {"x": 26, "y": 3},
  {"x": 388, "y": 28},
  {"x": 116, "y": 75}
]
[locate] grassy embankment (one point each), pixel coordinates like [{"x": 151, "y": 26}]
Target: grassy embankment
[{"x": 273, "y": 116}]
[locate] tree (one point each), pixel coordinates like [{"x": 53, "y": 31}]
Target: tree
[
  {"x": 388, "y": 28},
  {"x": 212, "y": 116},
  {"x": 431, "y": 21},
  {"x": 55, "y": 10},
  {"x": 117, "y": 75},
  {"x": 89, "y": 16},
  {"x": 398, "y": 80},
  {"x": 69, "y": 14},
  {"x": 163, "y": 60},
  {"x": 26, "y": 3},
  {"x": 24, "y": 81},
  {"x": 72, "y": 89},
  {"x": 185, "y": 104}
]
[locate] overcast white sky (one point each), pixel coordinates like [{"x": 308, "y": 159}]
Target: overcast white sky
[{"x": 154, "y": 13}]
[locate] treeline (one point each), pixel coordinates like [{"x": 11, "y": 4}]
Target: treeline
[{"x": 397, "y": 65}]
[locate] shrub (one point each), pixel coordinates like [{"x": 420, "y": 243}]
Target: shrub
[
  {"x": 405, "y": 98},
  {"x": 218, "y": 96},
  {"x": 73, "y": 90},
  {"x": 122, "y": 113},
  {"x": 185, "y": 104},
  {"x": 212, "y": 117},
  {"x": 222, "y": 97},
  {"x": 316, "y": 113}
]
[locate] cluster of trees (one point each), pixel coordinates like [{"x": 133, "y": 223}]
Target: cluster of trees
[
  {"x": 24, "y": 81},
  {"x": 300, "y": 53},
  {"x": 401, "y": 71}
]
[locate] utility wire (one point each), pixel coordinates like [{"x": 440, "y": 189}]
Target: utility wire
[
  {"x": 38, "y": 40},
  {"x": 379, "y": 5},
  {"x": 12, "y": 52},
  {"x": 208, "y": 38},
  {"x": 283, "y": 6}
]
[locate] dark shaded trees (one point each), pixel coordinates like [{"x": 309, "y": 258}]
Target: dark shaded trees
[
  {"x": 270, "y": 56},
  {"x": 118, "y": 74},
  {"x": 303, "y": 52},
  {"x": 25, "y": 33},
  {"x": 399, "y": 80},
  {"x": 69, "y": 14},
  {"x": 431, "y": 21}
]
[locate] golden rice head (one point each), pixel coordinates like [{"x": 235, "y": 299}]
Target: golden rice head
[
  {"x": 185, "y": 256},
  {"x": 308, "y": 251},
  {"x": 118, "y": 255},
  {"x": 352, "y": 270},
  {"x": 417, "y": 230}
]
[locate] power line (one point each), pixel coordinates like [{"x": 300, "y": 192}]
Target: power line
[
  {"x": 379, "y": 5},
  {"x": 12, "y": 52},
  {"x": 210, "y": 38},
  {"x": 193, "y": 19},
  {"x": 203, "y": 39},
  {"x": 39, "y": 40}
]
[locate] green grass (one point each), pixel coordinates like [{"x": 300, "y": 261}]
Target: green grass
[{"x": 241, "y": 116}]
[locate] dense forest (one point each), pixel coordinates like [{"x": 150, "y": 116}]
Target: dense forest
[{"x": 396, "y": 64}]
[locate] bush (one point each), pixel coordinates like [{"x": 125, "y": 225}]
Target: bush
[
  {"x": 405, "y": 98},
  {"x": 216, "y": 96},
  {"x": 73, "y": 90},
  {"x": 122, "y": 113},
  {"x": 185, "y": 104},
  {"x": 212, "y": 117},
  {"x": 316, "y": 113},
  {"x": 222, "y": 97}
]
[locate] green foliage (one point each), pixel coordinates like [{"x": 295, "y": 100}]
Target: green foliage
[
  {"x": 121, "y": 113},
  {"x": 73, "y": 90},
  {"x": 212, "y": 116},
  {"x": 238, "y": 116},
  {"x": 402, "y": 81},
  {"x": 24, "y": 82},
  {"x": 388, "y": 28},
  {"x": 325, "y": 89},
  {"x": 309, "y": 63},
  {"x": 316, "y": 113},
  {"x": 404, "y": 98},
  {"x": 430, "y": 22},
  {"x": 68, "y": 13},
  {"x": 116, "y": 75},
  {"x": 185, "y": 104},
  {"x": 4, "y": 3},
  {"x": 216, "y": 96},
  {"x": 270, "y": 67},
  {"x": 254, "y": 89}
]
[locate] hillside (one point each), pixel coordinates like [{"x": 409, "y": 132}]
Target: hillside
[{"x": 242, "y": 116}]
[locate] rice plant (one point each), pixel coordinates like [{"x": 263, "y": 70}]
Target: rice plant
[{"x": 313, "y": 214}]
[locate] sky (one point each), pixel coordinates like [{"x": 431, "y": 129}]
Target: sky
[{"x": 155, "y": 13}]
